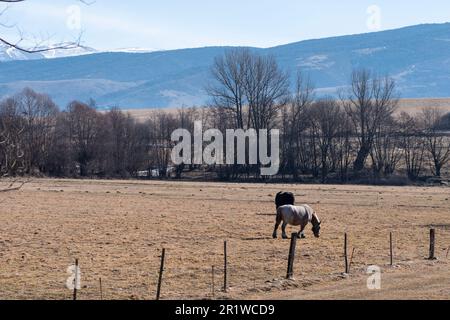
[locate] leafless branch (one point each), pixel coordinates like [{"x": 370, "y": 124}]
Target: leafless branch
[
  {"x": 12, "y": 188},
  {"x": 39, "y": 48}
]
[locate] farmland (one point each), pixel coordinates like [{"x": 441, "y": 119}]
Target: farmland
[
  {"x": 117, "y": 230},
  {"x": 410, "y": 106}
]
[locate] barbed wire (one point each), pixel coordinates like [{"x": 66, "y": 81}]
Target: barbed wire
[{"x": 243, "y": 276}]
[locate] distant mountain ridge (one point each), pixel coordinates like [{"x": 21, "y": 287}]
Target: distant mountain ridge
[
  {"x": 418, "y": 57},
  {"x": 12, "y": 54}
]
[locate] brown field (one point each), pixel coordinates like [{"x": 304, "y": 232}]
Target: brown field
[
  {"x": 411, "y": 106},
  {"x": 414, "y": 106},
  {"x": 117, "y": 228}
]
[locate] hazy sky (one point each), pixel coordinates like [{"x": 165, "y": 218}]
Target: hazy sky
[{"x": 170, "y": 24}]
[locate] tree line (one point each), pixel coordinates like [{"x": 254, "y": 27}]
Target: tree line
[{"x": 357, "y": 134}]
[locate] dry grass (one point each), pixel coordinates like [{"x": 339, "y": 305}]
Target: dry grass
[
  {"x": 414, "y": 106},
  {"x": 117, "y": 228},
  {"x": 411, "y": 106}
]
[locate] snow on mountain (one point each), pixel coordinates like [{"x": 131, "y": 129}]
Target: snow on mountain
[
  {"x": 417, "y": 57},
  {"x": 316, "y": 62},
  {"x": 64, "y": 53},
  {"x": 8, "y": 53},
  {"x": 133, "y": 50},
  {"x": 369, "y": 50},
  {"x": 12, "y": 54}
]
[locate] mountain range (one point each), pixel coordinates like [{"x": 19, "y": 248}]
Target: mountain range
[{"x": 417, "y": 57}]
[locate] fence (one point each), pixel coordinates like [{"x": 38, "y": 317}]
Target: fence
[{"x": 232, "y": 275}]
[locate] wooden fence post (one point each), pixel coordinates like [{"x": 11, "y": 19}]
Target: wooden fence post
[
  {"x": 76, "y": 280},
  {"x": 345, "y": 254},
  {"x": 101, "y": 288},
  {"x": 213, "y": 289},
  {"x": 391, "y": 250},
  {"x": 432, "y": 244},
  {"x": 291, "y": 258},
  {"x": 225, "y": 266},
  {"x": 351, "y": 260},
  {"x": 161, "y": 269}
]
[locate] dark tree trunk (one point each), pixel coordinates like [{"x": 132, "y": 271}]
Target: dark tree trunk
[{"x": 360, "y": 161}]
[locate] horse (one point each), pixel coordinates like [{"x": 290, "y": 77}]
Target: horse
[
  {"x": 297, "y": 216},
  {"x": 284, "y": 198}
]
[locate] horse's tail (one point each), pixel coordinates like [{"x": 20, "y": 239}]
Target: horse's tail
[{"x": 279, "y": 215}]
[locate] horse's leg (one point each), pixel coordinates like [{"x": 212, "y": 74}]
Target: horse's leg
[
  {"x": 301, "y": 234},
  {"x": 283, "y": 228},
  {"x": 277, "y": 225}
]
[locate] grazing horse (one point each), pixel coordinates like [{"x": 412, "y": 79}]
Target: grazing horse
[
  {"x": 284, "y": 198},
  {"x": 297, "y": 216}
]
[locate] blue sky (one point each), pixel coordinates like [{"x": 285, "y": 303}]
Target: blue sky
[{"x": 172, "y": 24}]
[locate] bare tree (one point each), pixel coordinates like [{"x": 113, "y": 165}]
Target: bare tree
[
  {"x": 325, "y": 115},
  {"x": 245, "y": 79},
  {"x": 60, "y": 161},
  {"x": 12, "y": 128},
  {"x": 385, "y": 152},
  {"x": 160, "y": 126},
  {"x": 186, "y": 118},
  {"x": 413, "y": 145},
  {"x": 127, "y": 144},
  {"x": 117, "y": 125},
  {"x": 227, "y": 91},
  {"x": 342, "y": 150},
  {"x": 370, "y": 103},
  {"x": 250, "y": 88},
  {"x": 293, "y": 122},
  {"x": 437, "y": 144},
  {"x": 15, "y": 185},
  {"x": 266, "y": 90},
  {"x": 39, "y": 47},
  {"x": 85, "y": 132},
  {"x": 39, "y": 114}
]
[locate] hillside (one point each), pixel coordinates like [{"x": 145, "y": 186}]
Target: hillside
[{"x": 417, "y": 57}]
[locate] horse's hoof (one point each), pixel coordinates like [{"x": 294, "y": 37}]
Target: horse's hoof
[
  {"x": 285, "y": 237},
  {"x": 274, "y": 236}
]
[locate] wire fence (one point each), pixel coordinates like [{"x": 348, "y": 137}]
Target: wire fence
[{"x": 250, "y": 268}]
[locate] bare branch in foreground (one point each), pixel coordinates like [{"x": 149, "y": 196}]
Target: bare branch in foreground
[
  {"x": 37, "y": 48},
  {"x": 12, "y": 188}
]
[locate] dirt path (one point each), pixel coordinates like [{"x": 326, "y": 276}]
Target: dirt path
[{"x": 424, "y": 281}]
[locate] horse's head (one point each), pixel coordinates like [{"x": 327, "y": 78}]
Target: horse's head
[{"x": 316, "y": 226}]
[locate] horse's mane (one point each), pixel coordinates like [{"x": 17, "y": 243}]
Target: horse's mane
[{"x": 315, "y": 218}]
